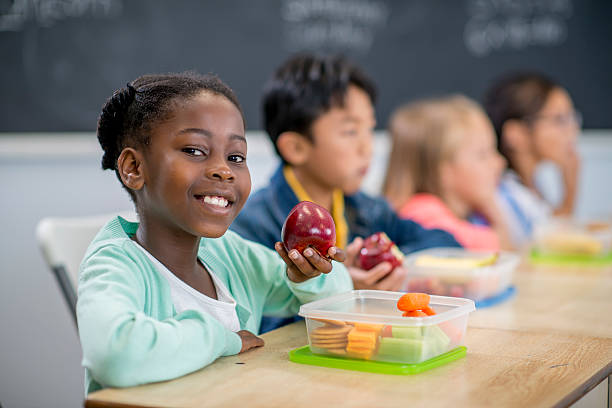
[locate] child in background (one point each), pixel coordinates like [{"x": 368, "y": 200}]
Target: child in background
[
  {"x": 535, "y": 121},
  {"x": 167, "y": 296},
  {"x": 443, "y": 167},
  {"x": 319, "y": 114}
]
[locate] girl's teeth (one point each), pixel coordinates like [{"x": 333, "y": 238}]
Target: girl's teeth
[{"x": 219, "y": 201}]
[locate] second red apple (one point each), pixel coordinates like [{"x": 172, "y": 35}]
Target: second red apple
[{"x": 379, "y": 248}]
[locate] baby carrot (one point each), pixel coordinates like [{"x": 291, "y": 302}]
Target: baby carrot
[
  {"x": 414, "y": 313},
  {"x": 429, "y": 311},
  {"x": 413, "y": 301}
]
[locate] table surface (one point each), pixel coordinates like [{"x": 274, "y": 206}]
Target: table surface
[
  {"x": 547, "y": 346},
  {"x": 564, "y": 299}
]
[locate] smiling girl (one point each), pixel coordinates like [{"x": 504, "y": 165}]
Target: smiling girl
[{"x": 168, "y": 295}]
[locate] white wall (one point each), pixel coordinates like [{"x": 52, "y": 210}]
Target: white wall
[{"x": 55, "y": 175}]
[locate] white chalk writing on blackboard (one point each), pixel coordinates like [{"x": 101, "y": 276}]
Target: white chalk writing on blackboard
[
  {"x": 332, "y": 25},
  {"x": 46, "y": 13},
  {"x": 495, "y": 25}
]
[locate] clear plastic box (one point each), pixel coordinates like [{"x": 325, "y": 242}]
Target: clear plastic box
[
  {"x": 562, "y": 236},
  {"x": 460, "y": 273},
  {"x": 367, "y": 325}
]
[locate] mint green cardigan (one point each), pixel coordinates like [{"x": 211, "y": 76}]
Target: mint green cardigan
[{"x": 129, "y": 330}]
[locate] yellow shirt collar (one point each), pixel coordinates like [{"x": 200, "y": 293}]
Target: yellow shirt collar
[{"x": 337, "y": 211}]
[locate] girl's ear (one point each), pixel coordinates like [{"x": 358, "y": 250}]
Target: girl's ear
[
  {"x": 515, "y": 136},
  {"x": 294, "y": 147},
  {"x": 131, "y": 168}
]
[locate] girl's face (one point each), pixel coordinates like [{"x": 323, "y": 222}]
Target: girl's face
[
  {"x": 472, "y": 174},
  {"x": 555, "y": 128},
  {"x": 196, "y": 178}
]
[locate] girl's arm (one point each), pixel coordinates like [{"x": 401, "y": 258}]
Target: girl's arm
[
  {"x": 492, "y": 212},
  {"x": 124, "y": 346},
  {"x": 280, "y": 296},
  {"x": 569, "y": 170}
]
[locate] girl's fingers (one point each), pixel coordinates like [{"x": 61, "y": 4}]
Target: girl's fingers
[
  {"x": 280, "y": 248},
  {"x": 302, "y": 263},
  {"x": 318, "y": 262},
  {"x": 336, "y": 254}
]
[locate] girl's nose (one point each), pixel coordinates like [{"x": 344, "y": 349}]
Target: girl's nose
[{"x": 218, "y": 170}]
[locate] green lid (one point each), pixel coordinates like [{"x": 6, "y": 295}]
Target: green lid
[
  {"x": 570, "y": 259},
  {"x": 303, "y": 355}
]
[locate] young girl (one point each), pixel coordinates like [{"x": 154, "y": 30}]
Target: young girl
[
  {"x": 164, "y": 297},
  {"x": 443, "y": 167},
  {"x": 535, "y": 120}
]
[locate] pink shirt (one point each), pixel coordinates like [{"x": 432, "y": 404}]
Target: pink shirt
[{"x": 431, "y": 212}]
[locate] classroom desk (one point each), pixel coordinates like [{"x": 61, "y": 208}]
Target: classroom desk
[
  {"x": 502, "y": 368},
  {"x": 548, "y": 346},
  {"x": 572, "y": 300}
]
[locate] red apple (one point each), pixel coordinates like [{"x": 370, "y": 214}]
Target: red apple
[
  {"x": 309, "y": 225},
  {"x": 379, "y": 248}
]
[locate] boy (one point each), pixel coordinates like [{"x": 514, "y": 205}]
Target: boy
[{"x": 319, "y": 114}]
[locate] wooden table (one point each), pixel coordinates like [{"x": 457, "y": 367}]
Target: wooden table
[
  {"x": 548, "y": 346},
  {"x": 555, "y": 298},
  {"x": 502, "y": 368}
]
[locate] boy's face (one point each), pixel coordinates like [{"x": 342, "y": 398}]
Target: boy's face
[
  {"x": 342, "y": 143},
  {"x": 196, "y": 176}
]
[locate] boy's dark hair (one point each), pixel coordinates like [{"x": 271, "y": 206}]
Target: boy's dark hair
[
  {"x": 127, "y": 117},
  {"x": 305, "y": 87},
  {"x": 516, "y": 96}
]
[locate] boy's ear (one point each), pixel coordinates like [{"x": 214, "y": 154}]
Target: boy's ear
[
  {"x": 294, "y": 147},
  {"x": 515, "y": 136},
  {"x": 131, "y": 168}
]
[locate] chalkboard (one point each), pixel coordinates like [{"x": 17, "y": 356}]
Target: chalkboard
[{"x": 61, "y": 59}]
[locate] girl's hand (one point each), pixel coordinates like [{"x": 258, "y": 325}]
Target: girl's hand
[
  {"x": 570, "y": 169},
  {"x": 249, "y": 340},
  {"x": 300, "y": 267},
  {"x": 381, "y": 277}
]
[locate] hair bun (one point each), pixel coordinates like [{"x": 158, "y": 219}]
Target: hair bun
[{"x": 111, "y": 124}]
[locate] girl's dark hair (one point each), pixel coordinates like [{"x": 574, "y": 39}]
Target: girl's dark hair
[
  {"x": 516, "y": 96},
  {"x": 305, "y": 87},
  {"x": 127, "y": 117}
]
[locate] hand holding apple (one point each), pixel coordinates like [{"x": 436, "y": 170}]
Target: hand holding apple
[
  {"x": 308, "y": 236},
  {"x": 379, "y": 248},
  {"x": 383, "y": 276}
]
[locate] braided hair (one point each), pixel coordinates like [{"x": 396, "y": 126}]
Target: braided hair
[{"x": 127, "y": 116}]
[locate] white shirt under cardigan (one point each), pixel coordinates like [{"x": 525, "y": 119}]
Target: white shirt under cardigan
[{"x": 184, "y": 297}]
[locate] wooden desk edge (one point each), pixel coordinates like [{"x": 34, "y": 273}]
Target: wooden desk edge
[{"x": 587, "y": 386}]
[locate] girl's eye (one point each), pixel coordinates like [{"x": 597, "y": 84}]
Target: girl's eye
[
  {"x": 350, "y": 132},
  {"x": 192, "y": 151},
  {"x": 236, "y": 158}
]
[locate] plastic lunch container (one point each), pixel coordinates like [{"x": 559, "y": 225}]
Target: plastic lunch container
[
  {"x": 461, "y": 273},
  {"x": 568, "y": 237},
  {"x": 366, "y": 324}
]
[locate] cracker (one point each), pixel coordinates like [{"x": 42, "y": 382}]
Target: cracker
[
  {"x": 332, "y": 329},
  {"x": 330, "y": 322}
]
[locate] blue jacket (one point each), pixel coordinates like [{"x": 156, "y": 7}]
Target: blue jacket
[{"x": 262, "y": 218}]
